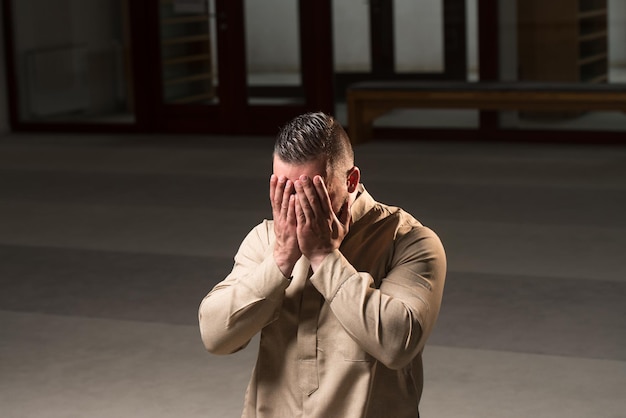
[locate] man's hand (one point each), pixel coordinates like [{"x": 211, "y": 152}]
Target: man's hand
[
  {"x": 286, "y": 249},
  {"x": 319, "y": 230}
]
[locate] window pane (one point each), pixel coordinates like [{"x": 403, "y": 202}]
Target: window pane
[
  {"x": 188, "y": 52},
  {"x": 563, "y": 42},
  {"x": 73, "y": 61},
  {"x": 273, "y": 52},
  {"x": 418, "y": 36},
  {"x": 351, "y": 36}
]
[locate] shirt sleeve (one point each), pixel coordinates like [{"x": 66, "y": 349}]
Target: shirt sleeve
[
  {"x": 391, "y": 322},
  {"x": 248, "y": 299}
]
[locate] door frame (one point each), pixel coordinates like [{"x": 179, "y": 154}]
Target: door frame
[{"x": 234, "y": 115}]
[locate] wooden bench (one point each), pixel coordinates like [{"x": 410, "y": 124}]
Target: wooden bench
[{"x": 368, "y": 100}]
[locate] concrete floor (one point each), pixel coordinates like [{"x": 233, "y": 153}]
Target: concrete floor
[{"x": 108, "y": 244}]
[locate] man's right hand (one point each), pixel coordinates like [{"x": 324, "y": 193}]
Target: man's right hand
[{"x": 286, "y": 250}]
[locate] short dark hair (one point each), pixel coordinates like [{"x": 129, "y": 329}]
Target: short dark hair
[{"x": 311, "y": 136}]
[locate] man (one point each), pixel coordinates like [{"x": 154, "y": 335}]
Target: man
[{"x": 344, "y": 290}]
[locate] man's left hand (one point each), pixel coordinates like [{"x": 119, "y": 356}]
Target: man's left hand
[{"x": 319, "y": 230}]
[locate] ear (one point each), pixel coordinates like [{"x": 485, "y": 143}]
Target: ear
[{"x": 354, "y": 177}]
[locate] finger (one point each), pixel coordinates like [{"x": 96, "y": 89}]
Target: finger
[
  {"x": 291, "y": 211},
  {"x": 311, "y": 193},
  {"x": 285, "y": 198},
  {"x": 346, "y": 216},
  {"x": 322, "y": 193},
  {"x": 277, "y": 197},
  {"x": 306, "y": 212},
  {"x": 300, "y": 216},
  {"x": 313, "y": 200},
  {"x": 273, "y": 190},
  {"x": 273, "y": 185}
]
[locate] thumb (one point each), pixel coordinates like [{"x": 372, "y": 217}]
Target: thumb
[{"x": 346, "y": 216}]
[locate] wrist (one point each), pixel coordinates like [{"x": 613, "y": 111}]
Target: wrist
[
  {"x": 285, "y": 263},
  {"x": 317, "y": 260}
]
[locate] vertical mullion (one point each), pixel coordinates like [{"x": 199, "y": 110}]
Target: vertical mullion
[
  {"x": 316, "y": 53},
  {"x": 454, "y": 44},
  {"x": 382, "y": 38},
  {"x": 10, "y": 61},
  {"x": 231, "y": 62},
  {"x": 488, "y": 56}
]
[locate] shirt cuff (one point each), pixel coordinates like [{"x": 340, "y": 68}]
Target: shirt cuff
[
  {"x": 270, "y": 282},
  {"x": 334, "y": 271}
]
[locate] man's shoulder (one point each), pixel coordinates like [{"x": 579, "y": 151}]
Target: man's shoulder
[
  {"x": 262, "y": 233},
  {"x": 406, "y": 224},
  {"x": 398, "y": 214}
]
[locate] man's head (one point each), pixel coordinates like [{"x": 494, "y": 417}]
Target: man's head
[
  {"x": 315, "y": 136},
  {"x": 316, "y": 144}
]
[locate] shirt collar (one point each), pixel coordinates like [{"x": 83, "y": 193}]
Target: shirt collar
[{"x": 363, "y": 203}]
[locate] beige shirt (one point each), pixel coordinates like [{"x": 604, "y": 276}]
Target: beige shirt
[{"x": 344, "y": 342}]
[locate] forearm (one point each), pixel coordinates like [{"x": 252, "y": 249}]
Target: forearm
[
  {"x": 390, "y": 323},
  {"x": 240, "y": 306},
  {"x": 383, "y": 326}
]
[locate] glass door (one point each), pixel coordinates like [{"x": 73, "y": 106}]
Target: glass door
[
  {"x": 238, "y": 66},
  {"x": 187, "y": 36},
  {"x": 273, "y": 53}
]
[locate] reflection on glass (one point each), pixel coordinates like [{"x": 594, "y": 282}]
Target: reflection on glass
[
  {"x": 73, "y": 61},
  {"x": 563, "y": 41},
  {"x": 273, "y": 52},
  {"x": 418, "y": 41},
  {"x": 351, "y": 36},
  {"x": 471, "y": 35},
  {"x": 187, "y": 52}
]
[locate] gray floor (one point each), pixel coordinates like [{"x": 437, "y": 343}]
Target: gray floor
[{"x": 108, "y": 244}]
